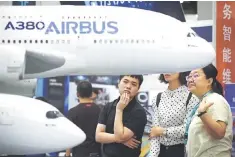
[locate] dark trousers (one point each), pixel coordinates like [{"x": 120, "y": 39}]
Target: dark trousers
[{"x": 172, "y": 151}]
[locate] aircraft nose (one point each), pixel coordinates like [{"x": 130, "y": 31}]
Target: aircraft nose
[
  {"x": 203, "y": 51},
  {"x": 65, "y": 135},
  {"x": 208, "y": 53},
  {"x": 75, "y": 135},
  {"x": 211, "y": 54}
]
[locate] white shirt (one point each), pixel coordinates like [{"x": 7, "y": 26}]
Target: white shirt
[
  {"x": 171, "y": 114},
  {"x": 200, "y": 142}
]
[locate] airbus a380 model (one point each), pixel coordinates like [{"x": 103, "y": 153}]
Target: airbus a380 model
[{"x": 45, "y": 41}]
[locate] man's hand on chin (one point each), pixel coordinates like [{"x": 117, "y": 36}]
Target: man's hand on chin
[{"x": 123, "y": 102}]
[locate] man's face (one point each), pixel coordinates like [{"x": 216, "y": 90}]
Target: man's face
[{"x": 129, "y": 85}]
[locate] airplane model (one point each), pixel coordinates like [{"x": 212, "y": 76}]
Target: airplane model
[
  {"x": 49, "y": 41},
  {"x": 95, "y": 40},
  {"x": 29, "y": 126}
]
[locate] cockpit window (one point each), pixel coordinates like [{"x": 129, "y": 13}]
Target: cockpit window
[
  {"x": 54, "y": 114},
  {"x": 191, "y": 34}
]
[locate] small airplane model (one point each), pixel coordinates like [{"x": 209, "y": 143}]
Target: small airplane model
[{"x": 30, "y": 126}]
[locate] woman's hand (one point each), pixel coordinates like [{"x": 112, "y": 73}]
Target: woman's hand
[
  {"x": 156, "y": 131},
  {"x": 204, "y": 106}
]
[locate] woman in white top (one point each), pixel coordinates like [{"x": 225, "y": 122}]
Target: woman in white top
[
  {"x": 169, "y": 116},
  {"x": 209, "y": 126}
]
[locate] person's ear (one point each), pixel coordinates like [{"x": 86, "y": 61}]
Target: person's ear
[
  {"x": 118, "y": 84},
  {"x": 210, "y": 81}
]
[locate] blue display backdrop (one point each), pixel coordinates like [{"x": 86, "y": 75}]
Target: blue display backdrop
[
  {"x": 230, "y": 96},
  {"x": 23, "y": 3},
  {"x": 55, "y": 90}
]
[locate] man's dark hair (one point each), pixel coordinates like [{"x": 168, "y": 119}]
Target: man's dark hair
[
  {"x": 42, "y": 99},
  {"x": 182, "y": 78},
  {"x": 84, "y": 89},
  {"x": 138, "y": 77}
]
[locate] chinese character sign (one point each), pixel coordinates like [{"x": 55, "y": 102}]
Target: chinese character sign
[
  {"x": 226, "y": 55},
  {"x": 225, "y": 51},
  {"x": 227, "y": 33},
  {"x": 225, "y": 41},
  {"x": 226, "y": 76},
  {"x": 227, "y": 11}
]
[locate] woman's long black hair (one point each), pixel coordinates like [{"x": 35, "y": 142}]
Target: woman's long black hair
[{"x": 211, "y": 72}]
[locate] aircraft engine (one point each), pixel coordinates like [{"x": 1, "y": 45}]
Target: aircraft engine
[{"x": 18, "y": 63}]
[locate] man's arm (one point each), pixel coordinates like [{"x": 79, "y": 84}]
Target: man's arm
[
  {"x": 137, "y": 120},
  {"x": 102, "y": 136},
  {"x": 122, "y": 133}
]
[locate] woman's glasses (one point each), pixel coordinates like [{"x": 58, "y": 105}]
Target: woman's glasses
[{"x": 192, "y": 76}]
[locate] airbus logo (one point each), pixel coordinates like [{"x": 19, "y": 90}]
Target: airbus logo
[{"x": 66, "y": 27}]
